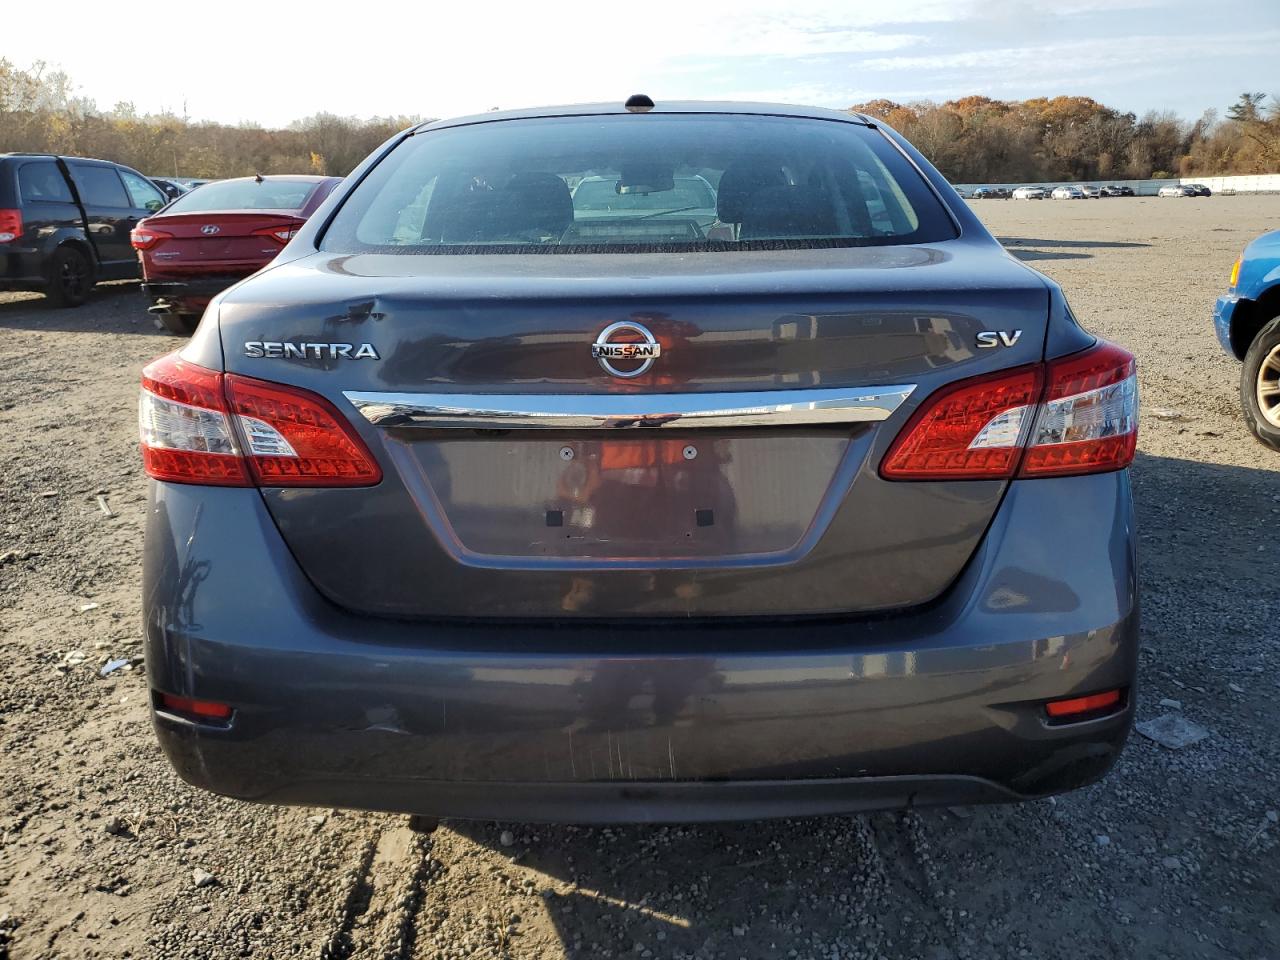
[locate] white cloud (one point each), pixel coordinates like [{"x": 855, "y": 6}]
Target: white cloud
[
  {"x": 275, "y": 62},
  {"x": 1078, "y": 57}
]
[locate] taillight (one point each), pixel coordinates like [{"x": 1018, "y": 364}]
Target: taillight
[
  {"x": 144, "y": 238},
  {"x": 1088, "y": 422},
  {"x": 295, "y": 438},
  {"x": 971, "y": 430},
  {"x": 281, "y": 235},
  {"x": 10, "y": 225},
  {"x": 184, "y": 428},
  {"x": 1075, "y": 415},
  {"x": 200, "y": 426}
]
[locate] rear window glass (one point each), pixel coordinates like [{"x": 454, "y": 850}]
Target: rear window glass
[
  {"x": 636, "y": 184},
  {"x": 42, "y": 182},
  {"x": 245, "y": 195},
  {"x": 598, "y": 195}
]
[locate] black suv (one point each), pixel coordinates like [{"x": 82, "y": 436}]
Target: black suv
[{"x": 65, "y": 223}]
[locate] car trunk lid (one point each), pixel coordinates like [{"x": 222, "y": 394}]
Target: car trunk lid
[
  {"x": 736, "y": 476},
  {"x": 222, "y": 239}
]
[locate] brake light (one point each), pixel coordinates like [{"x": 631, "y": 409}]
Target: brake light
[
  {"x": 295, "y": 438},
  {"x": 1088, "y": 422},
  {"x": 281, "y": 235},
  {"x": 183, "y": 426},
  {"x": 1075, "y": 415},
  {"x": 144, "y": 238},
  {"x": 971, "y": 430},
  {"x": 203, "y": 427},
  {"x": 10, "y": 225}
]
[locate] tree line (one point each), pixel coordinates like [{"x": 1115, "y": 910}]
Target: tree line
[
  {"x": 971, "y": 140},
  {"x": 980, "y": 140},
  {"x": 41, "y": 112}
]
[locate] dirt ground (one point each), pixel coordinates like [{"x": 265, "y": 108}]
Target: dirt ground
[{"x": 105, "y": 853}]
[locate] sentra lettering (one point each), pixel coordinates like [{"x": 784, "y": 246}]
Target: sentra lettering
[{"x": 291, "y": 350}]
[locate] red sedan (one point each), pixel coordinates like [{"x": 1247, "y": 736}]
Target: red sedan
[{"x": 218, "y": 234}]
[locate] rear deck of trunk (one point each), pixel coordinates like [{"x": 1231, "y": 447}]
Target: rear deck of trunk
[{"x": 657, "y": 519}]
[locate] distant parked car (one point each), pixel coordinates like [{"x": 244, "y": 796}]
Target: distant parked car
[
  {"x": 1030, "y": 193},
  {"x": 1067, "y": 193},
  {"x": 1176, "y": 190},
  {"x": 1247, "y": 321},
  {"x": 65, "y": 222},
  {"x": 1115, "y": 190},
  {"x": 210, "y": 238},
  {"x": 1091, "y": 193},
  {"x": 991, "y": 193},
  {"x": 170, "y": 188},
  {"x": 1199, "y": 189}
]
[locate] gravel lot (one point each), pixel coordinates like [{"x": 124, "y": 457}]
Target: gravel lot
[{"x": 105, "y": 853}]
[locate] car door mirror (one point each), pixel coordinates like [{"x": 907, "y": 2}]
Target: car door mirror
[{"x": 154, "y": 205}]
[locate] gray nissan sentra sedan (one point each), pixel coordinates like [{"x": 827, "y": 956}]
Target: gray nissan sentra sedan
[{"x": 804, "y": 498}]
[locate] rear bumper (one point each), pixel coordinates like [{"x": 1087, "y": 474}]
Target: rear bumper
[
  {"x": 1223, "y": 310},
  {"x": 189, "y": 295},
  {"x": 22, "y": 269},
  {"x": 582, "y": 722}
]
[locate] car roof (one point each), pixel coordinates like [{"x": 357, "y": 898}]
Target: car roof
[
  {"x": 63, "y": 156},
  {"x": 669, "y": 106},
  {"x": 301, "y": 177}
]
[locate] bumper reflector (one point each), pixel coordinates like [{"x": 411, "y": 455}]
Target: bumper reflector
[
  {"x": 1079, "y": 707},
  {"x": 195, "y": 709}
]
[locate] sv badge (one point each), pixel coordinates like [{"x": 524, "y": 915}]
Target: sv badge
[{"x": 998, "y": 338}]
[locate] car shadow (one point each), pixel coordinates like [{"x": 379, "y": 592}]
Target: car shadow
[
  {"x": 1199, "y": 526},
  {"x": 821, "y": 886},
  {"x": 776, "y": 888},
  {"x": 110, "y": 305},
  {"x": 1033, "y": 248}
]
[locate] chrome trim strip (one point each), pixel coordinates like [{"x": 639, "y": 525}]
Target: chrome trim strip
[{"x": 766, "y": 408}]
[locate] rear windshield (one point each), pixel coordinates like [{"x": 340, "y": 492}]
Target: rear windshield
[
  {"x": 626, "y": 183},
  {"x": 245, "y": 195}
]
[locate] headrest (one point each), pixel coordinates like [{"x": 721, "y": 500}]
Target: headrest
[
  {"x": 537, "y": 201},
  {"x": 739, "y": 183},
  {"x": 792, "y": 211}
]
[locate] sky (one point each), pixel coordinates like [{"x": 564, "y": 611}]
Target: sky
[{"x": 275, "y": 61}]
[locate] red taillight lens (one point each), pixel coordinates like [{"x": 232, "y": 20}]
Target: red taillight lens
[
  {"x": 282, "y": 437},
  {"x": 184, "y": 428},
  {"x": 1085, "y": 422},
  {"x": 1088, "y": 422},
  {"x": 281, "y": 234},
  {"x": 10, "y": 225},
  {"x": 197, "y": 709},
  {"x": 971, "y": 430},
  {"x": 298, "y": 439},
  {"x": 1079, "y": 707},
  {"x": 144, "y": 238}
]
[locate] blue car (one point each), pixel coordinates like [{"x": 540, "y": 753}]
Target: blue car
[{"x": 1247, "y": 321}]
